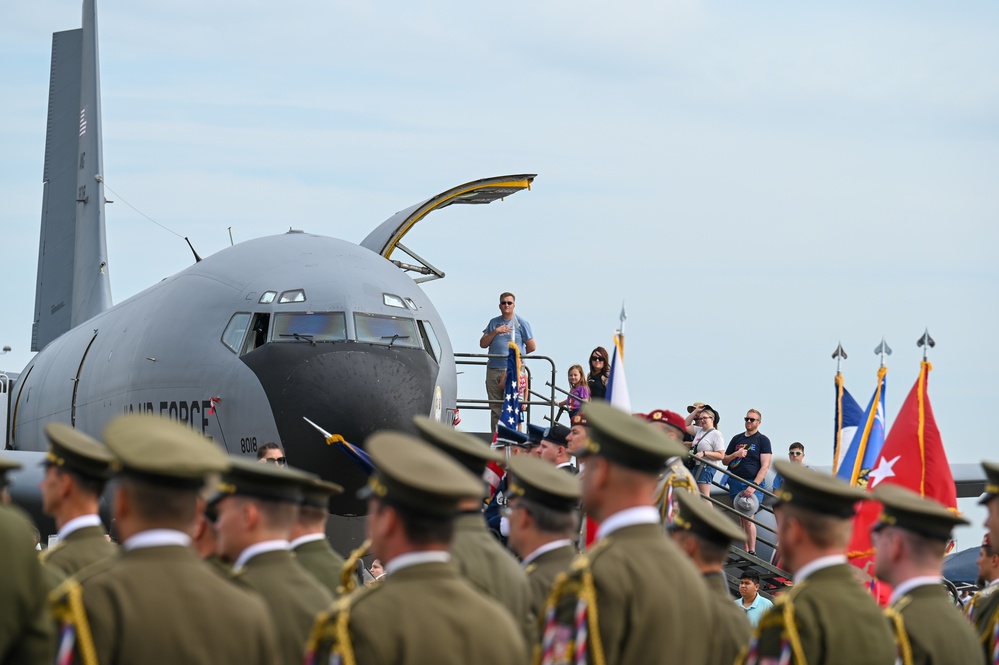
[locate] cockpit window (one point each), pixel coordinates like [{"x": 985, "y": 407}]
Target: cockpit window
[
  {"x": 234, "y": 332},
  {"x": 430, "y": 342},
  {"x": 268, "y": 297},
  {"x": 411, "y": 304},
  {"x": 310, "y": 327},
  {"x": 393, "y": 301},
  {"x": 388, "y": 330},
  {"x": 295, "y": 295}
]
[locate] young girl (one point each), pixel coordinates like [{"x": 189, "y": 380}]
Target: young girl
[{"x": 578, "y": 390}]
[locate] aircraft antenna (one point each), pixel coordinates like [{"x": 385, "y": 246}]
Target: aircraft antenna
[
  {"x": 231, "y": 243},
  {"x": 197, "y": 258},
  {"x": 122, "y": 199},
  {"x": 926, "y": 342}
]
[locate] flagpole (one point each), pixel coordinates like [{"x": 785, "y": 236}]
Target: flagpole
[
  {"x": 839, "y": 355},
  {"x": 924, "y": 369},
  {"x": 620, "y": 332},
  {"x": 884, "y": 350}
]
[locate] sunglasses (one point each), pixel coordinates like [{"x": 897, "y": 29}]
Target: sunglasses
[
  {"x": 596, "y": 359},
  {"x": 751, "y": 420},
  {"x": 280, "y": 461},
  {"x": 796, "y": 453},
  {"x": 703, "y": 418},
  {"x": 506, "y": 302}
]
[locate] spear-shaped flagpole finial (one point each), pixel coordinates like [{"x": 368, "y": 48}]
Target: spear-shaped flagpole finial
[
  {"x": 839, "y": 355},
  {"x": 926, "y": 342},
  {"x": 884, "y": 350}
]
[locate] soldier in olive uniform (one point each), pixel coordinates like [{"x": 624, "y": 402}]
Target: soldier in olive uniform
[
  {"x": 157, "y": 602},
  {"x": 705, "y": 535},
  {"x": 424, "y": 611},
  {"x": 980, "y": 607},
  {"x": 988, "y": 626},
  {"x": 542, "y": 507},
  {"x": 633, "y": 597},
  {"x": 910, "y": 539},
  {"x": 308, "y": 534},
  {"x": 828, "y": 617},
  {"x": 76, "y": 469},
  {"x": 478, "y": 555},
  {"x": 257, "y": 505},
  {"x": 25, "y": 628}
]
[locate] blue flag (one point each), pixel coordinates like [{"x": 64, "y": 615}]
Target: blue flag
[
  {"x": 862, "y": 455},
  {"x": 849, "y": 415},
  {"x": 511, "y": 414}
]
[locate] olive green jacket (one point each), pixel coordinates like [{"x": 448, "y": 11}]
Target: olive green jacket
[
  {"x": 983, "y": 610},
  {"x": 322, "y": 562},
  {"x": 78, "y": 550},
  {"x": 293, "y": 596},
  {"x": 828, "y": 619},
  {"x": 541, "y": 574},
  {"x": 730, "y": 629},
  {"x": 491, "y": 568},
  {"x": 419, "y": 615},
  {"x": 933, "y": 629},
  {"x": 26, "y": 632},
  {"x": 649, "y": 601},
  {"x": 164, "y": 605}
]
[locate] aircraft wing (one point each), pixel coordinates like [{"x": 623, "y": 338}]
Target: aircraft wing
[{"x": 384, "y": 239}]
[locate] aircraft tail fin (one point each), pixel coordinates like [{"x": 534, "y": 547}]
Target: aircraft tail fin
[{"x": 73, "y": 279}]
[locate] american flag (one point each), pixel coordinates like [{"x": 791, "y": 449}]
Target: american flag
[{"x": 511, "y": 414}]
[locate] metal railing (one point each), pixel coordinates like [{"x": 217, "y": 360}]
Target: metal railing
[{"x": 542, "y": 402}]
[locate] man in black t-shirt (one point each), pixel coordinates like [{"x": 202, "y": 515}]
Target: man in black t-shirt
[{"x": 748, "y": 456}]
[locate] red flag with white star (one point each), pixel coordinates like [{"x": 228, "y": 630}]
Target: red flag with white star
[{"x": 913, "y": 457}]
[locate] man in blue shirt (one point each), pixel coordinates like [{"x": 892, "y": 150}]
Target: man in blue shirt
[
  {"x": 752, "y": 602},
  {"x": 748, "y": 458},
  {"x": 496, "y": 337},
  {"x": 796, "y": 455}
]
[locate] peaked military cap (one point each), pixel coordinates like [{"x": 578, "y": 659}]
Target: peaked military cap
[
  {"x": 535, "y": 433},
  {"x": 579, "y": 419},
  {"x": 470, "y": 452},
  {"x": 695, "y": 515},
  {"x": 558, "y": 433},
  {"x": 535, "y": 479},
  {"x": 413, "y": 473},
  {"x": 816, "y": 491},
  {"x": 162, "y": 452},
  {"x": 263, "y": 481},
  {"x": 907, "y": 510},
  {"x": 622, "y": 439},
  {"x": 991, "y": 482},
  {"x": 5, "y": 466},
  {"x": 72, "y": 450},
  {"x": 316, "y": 492}
]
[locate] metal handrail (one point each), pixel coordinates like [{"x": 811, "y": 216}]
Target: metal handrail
[{"x": 482, "y": 359}]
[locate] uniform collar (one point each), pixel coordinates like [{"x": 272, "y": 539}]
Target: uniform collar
[
  {"x": 258, "y": 548},
  {"x": 910, "y": 584},
  {"x": 414, "y": 559},
  {"x": 307, "y": 538},
  {"x": 156, "y": 538},
  {"x": 627, "y": 517},
  {"x": 78, "y": 523},
  {"x": 547, "y": 547},
  {"x": 816, "y": 565}
]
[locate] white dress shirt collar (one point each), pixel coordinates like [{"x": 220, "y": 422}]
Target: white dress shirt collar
[
  {"x": 307, "y": 538},
  {"x": 258, "y": 548},
  {"x": 910, "y": 584},
  {"x": 156, "y": 538},
  {"x": 627, "y": 517},
  {"x": 818, "y": 564},
  {"x": 78, "y": 523},
  {"x": 414, "y": 559},
  {"x": 547, "y": 547}
]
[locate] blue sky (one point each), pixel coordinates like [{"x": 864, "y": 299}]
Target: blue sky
[{"x": 757, "y": 182}]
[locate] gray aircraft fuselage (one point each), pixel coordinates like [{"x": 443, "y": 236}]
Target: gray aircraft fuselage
[{"x": 165, "y": 351}]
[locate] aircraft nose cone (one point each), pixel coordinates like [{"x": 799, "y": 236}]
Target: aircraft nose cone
[{"x": 352, "y": 390}]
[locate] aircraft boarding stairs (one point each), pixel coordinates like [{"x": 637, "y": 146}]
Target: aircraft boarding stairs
[{"x": 542, "y": 409}]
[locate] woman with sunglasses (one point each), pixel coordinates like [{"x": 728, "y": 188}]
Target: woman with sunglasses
[
  {"x": 271, "y": 453},
  {"x": 708, "y": 444},
  {"x": 599, "y": 373}
]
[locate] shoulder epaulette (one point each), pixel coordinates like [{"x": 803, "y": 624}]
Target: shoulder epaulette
[
  {"x": 573, "y": 595},
  {"x": 332, "y": 628},
  {"x": 44, "y": 555}
]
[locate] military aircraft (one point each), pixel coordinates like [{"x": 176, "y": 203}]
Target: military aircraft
[{"x": 242, "y": 345}]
